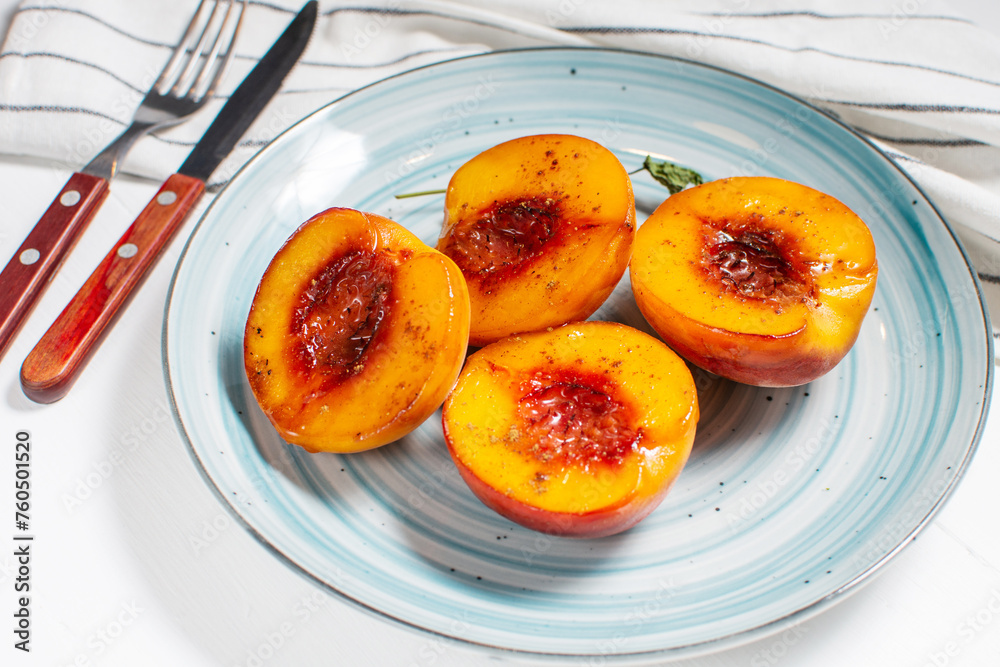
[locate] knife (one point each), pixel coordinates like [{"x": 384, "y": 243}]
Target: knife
[
  {"x": 52, "y": 367},
  {"x": 174, "y": 96}
]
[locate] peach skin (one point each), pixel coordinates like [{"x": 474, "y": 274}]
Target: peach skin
[
  {"x": 757, "y": 279},
  {"x": 579, "y": 431}
]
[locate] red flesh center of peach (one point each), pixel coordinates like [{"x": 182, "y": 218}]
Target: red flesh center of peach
[
  {"x": 572, "y": 423},
  {"x": 505, "y": 236},
  {"x": 339, "y": 313},
  {"x": 754, "y": 262}
]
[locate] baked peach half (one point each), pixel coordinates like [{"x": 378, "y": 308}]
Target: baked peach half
[
  {"x": 579, "y": 431},
  {"x": 542, "y": 228},
  {"x": 356, "y": 333},
  {"x": 760, "y": 280}
]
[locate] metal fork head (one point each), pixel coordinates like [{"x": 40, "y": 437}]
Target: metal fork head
[
  {"x": 208, "y": 43},
  {"x": 186, "y": 83},
  {"x": 197, "y": 65}
]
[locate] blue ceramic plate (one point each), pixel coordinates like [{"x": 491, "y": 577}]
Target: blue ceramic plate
[{"x": 792, "y": 497}]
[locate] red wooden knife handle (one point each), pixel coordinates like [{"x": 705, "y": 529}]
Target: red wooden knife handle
[
  {"x": 29, "y": 271},
  {"x": 54, "y": 364}
]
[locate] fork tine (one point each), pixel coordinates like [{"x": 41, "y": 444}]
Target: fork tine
[
  {"x": 163, "y": 105},
  {"x": 206, "y": 83},
  {"x": 163, "y": 84},
  {"x": 183, "y": 85}
]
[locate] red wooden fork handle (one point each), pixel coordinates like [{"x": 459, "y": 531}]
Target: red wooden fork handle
[
  {"x": 29, "y": 271},
  {"x": 53, "y": 365}
]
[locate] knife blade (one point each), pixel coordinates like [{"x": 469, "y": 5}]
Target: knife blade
[{"x": 53, "y": 365}]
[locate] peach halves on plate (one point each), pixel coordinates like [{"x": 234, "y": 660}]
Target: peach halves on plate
[
  {"x": 542, "y": 229},
  {"x": 579, "y": 431},
  {"x": 356, "y": 333},
  {"x": 756, "y": 279}
]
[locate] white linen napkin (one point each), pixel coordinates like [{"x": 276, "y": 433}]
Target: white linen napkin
[{"x": 913, "y": 75}]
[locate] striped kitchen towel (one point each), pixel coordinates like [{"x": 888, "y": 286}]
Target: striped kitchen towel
[{"x": 913, "y": 75}]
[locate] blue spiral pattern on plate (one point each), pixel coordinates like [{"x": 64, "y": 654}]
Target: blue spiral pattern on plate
[{"x": 791, "y": 497}]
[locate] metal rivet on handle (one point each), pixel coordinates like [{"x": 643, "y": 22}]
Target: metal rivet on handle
[
  {"x": 166, "y": 198},
  {"x": 70, "y": 198},
  {"x": 128, "y": 250},
  {"x": 29, "y": 256}
]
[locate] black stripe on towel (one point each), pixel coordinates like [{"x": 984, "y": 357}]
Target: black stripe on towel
[
  {"x": 52, "y": 108},
  {"x": 97, "y": 19},
  {"x": 75, "y": 61},
  {"x": 918, "y": 141},
  {"x": 918, "y": 108},
  {"x": 632, "y": 30},
  {"x": 850, "y": 17}
]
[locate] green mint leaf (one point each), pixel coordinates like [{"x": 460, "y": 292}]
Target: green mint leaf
[{"x": 674, "y": 176}]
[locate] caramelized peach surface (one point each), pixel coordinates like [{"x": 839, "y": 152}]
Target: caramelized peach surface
[
  {"x": 542, "y": 228},
  {"x": 356, "y": 333},
  {"x": 579, "y": 431},
  {"x": 757, "y": 279}
]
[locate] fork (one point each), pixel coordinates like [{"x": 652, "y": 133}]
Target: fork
[{"x": 186, "y": 83}]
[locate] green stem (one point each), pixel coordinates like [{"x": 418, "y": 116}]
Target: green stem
[{"x": 407, "y": 195}]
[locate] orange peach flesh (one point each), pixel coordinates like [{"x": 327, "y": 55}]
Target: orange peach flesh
[
  {"x": 579, "y": 432},
  {"x": 756, "y": 279},
  {"x": 356, "y": 333},
  {"x": 542, "y": 228}
]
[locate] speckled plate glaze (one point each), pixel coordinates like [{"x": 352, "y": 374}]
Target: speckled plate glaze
[{"x": 792, "y": 497}]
